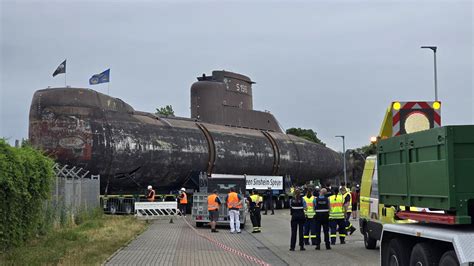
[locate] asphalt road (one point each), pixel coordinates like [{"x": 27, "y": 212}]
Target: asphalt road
[{"x": 276, "y": 236}]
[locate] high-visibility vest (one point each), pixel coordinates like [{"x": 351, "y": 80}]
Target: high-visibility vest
[
  {"x": 184, "y": 199},
  {"x": 151, "y": 195},
  {"x": 309, "y": 206},
  {"x": 212, "y": 204},
  {"x": 336, "y": 211},
  {"x": 233, "y": 200},
  {"x": 255, "y": 198},
  {"x": 349, "y": 208}
]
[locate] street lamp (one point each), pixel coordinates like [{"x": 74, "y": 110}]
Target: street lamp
[
  {"x": 344, "y": 155},
  {"x": 434, "y": 48}
]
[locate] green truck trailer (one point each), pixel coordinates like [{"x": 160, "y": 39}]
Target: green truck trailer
[{"x": 432, "y": 170}]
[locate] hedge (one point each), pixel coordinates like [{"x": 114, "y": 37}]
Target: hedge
[{"x": 26, "y": 176}]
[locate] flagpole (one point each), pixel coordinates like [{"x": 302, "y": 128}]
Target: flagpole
[
  {"x": 108, "y": 88},
  {"x": 65, "y": 79}
]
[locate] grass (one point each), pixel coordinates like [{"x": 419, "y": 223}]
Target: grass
[{"x": 91, "y": 243}]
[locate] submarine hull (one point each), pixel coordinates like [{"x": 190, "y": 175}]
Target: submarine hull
[{"x": 132, "y": 149}]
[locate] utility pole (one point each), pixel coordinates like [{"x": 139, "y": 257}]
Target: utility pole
[
  {"x": 343, "y": 155},
  {"x": 434, "y": 48}
]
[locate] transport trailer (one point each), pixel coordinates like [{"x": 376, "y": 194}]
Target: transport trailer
[{"x": 427, "y": 244}]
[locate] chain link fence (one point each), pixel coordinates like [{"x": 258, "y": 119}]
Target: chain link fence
[{"x": 75, "y": 189}]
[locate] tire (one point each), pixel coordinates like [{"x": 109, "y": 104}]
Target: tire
[
  {"x": 199, "y": 224},
  {"x": 287, "y": 203},
  {"x": 449, "y": 258},
  {"x": 112, "y": 208},
  {"x": 127, "y": 208},
  {"x": 423, "y": 255},
  {"x": 398, "y": 253},
  {"x": 281, "y": 203},
  {"x": 370, "y": 243}
]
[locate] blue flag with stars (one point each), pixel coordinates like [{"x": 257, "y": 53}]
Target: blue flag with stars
[{"x": 100, "y": 78}]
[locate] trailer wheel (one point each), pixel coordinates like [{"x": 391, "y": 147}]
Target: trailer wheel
[
  {"x": 112, "y": 208},
  {"x": 370, "y": 243},
  {"x": 199, "y": 224},
  {"x": 422, "y": 255},
  {"x": 449, "y": 258},
  {"x": 281, "y": 203},
  {"x": 398, "y": 254},
  {"x": 127, "y": 208},
  {"x": 287, "y": 203}
]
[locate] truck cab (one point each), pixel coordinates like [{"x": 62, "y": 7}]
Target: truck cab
[{"x": 373, "y": 215}]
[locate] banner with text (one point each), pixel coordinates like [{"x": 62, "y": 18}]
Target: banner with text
[{"x": 263, "y": 182}]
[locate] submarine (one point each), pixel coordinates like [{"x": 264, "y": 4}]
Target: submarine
[{"x": 131, "y": 149}]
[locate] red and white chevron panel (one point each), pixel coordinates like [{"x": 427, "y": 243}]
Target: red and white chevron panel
[{"x": 416, "y": 108}]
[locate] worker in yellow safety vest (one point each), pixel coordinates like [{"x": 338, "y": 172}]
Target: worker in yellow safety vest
[
  {"x": 255, "y": 202},
  {"x": 336, "y": 216},
  {"x": 310, "y": 224},
  {"x": 348, "y": 207}
]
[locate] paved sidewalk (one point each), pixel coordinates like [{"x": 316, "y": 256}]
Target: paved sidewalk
[{"x": 178, "y": 244}]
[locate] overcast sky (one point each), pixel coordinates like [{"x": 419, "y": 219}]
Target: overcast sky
[{"x": 333, "y": 66}]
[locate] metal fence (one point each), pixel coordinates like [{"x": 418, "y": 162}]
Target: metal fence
[{"x": 75, "y": 188}]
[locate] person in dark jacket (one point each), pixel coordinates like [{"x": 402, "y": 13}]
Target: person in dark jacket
[
  {"x": 322, "y": 208},
  {"x": 269, "y": 201},
  {"x": 297, "y": 220}
]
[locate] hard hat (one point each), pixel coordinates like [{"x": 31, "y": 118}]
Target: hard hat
[
  {"x": 150, "y": 187},
  {"x": 317, "y": 187},
  {"x": 183, "y": 189}
]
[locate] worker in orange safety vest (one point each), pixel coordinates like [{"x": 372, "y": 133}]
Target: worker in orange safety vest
[{"x": 183, "y": 201}]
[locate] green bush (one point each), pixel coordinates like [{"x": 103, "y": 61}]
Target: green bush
[{"x": 26, "y": 176}]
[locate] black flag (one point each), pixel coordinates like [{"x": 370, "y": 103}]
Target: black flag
[{"x": 61, "y": 69}]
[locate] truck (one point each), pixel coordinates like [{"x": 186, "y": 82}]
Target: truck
[
  {"x": 222, "y": 183},
  {"x": 417, "y": 193}
]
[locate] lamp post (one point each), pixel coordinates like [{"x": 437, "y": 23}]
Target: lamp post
[
  {"x": 344, "y": 155},
  {"x": 434, "y": 48}
]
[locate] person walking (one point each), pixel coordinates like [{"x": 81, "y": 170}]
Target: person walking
[
  {"x": 297, "y": 220},
  {"x": 269, "y": 201},
  {"x": 355, "y": 201},
  {"x": 336, "y": 217},
  {"x": 309, "y": 213},
  {"x": 322, "y": 208},
  {"x": 254, "y": 210},
  {"x": 348, "y": 210},
  {"x": 150, "y": 196},
  {"x": 183, "y": 201},
  {"x": 213, "y": 204},
  {"x": 234, "y": 203}
]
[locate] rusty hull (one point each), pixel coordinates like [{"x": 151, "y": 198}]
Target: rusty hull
[{"x": 132, "y": 149}]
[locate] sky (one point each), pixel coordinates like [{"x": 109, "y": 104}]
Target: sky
[{"x": 332, "y": 66}]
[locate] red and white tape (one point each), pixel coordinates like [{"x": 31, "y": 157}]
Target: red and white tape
[{"x": 227, "y": 248}]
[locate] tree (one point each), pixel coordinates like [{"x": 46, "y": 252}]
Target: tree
[
  {"x": 307, "y": 134},
  {"x": 367, "y": 150},
  {"x": 166, "y": 111}
]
